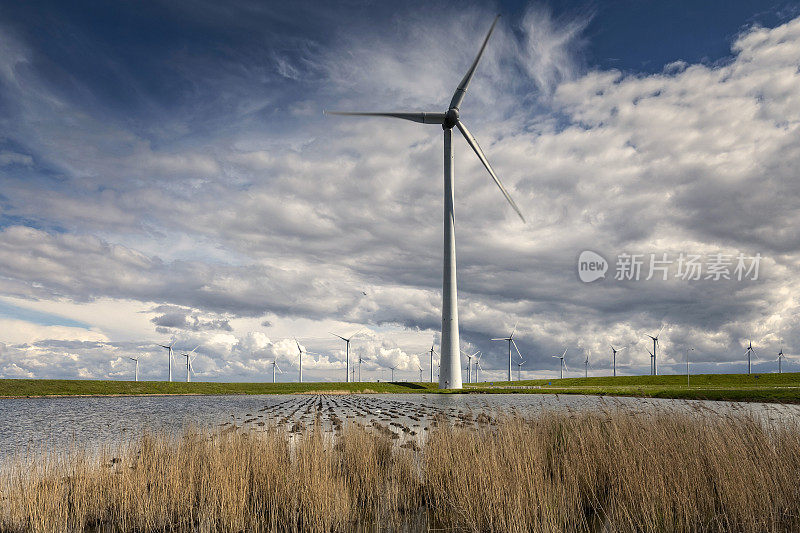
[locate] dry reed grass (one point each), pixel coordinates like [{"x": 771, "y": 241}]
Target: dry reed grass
[{"x": 557, "y": 472}]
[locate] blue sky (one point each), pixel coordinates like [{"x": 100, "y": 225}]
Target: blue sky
[{"x": 166, "y": 170}]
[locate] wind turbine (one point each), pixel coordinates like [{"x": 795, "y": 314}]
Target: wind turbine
[
  {"x": 274, "y": 366},
  {"x": 478, "y": 367},
  {"x": 136, "y": 372},
  {"x": 586, "y": 366},
  {"x": 393, "y": 369},
  {"x": 450, "y": 375},
  {"x": 562, "y": 363},
  {"x": 750, "y": 351},
  {"x": 432, "y": 352},
  {"x": 519, "y": 370},
  {"x": 189, "y": 360},
  {"x": 360, "y": 359},
  {"x": 169, "y": 348},
  {"x": 300, "y": 352},
  {"x": 420, "y": 373},
  {"x": 347, "y": 350},
  {"x": 510, "y": 340},
  {"x": 653, "y": 354},
  {"x": 614, "y": 357},
  {"x": 469, "y": 364}
]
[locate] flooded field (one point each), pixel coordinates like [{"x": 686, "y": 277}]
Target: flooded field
[{"x": 33, "y": 425}]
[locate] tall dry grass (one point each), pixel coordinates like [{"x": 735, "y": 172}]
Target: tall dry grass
[{"x": 557, "y": 472}]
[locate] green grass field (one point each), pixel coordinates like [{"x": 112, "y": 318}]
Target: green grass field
[
  {"x": 75, "y": 387},
  {"x": 783, "y": 388}
]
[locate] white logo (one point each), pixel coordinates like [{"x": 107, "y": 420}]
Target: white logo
[{"x": 591, "y": 266}]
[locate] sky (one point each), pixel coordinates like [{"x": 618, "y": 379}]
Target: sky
[{"x": 166, "y": 172}]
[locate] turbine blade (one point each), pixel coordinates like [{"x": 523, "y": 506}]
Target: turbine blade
[
  {"x": 335, "y": 335},
  {"x": 423, "y": 118},
  {"x": 461, "y": 90},
  {"x": 474, "y": 144},
  {"x": 514, "y": 330},
  {"x": 517, "y": 349}
]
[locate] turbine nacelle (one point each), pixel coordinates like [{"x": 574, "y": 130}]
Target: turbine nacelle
[{"x": 450, "y": 118}]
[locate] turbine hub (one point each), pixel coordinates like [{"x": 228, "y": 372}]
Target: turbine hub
[{"x": 450, "y": 118}]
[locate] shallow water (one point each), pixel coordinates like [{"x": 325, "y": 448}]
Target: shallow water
[{"x": 33, "y": 425}]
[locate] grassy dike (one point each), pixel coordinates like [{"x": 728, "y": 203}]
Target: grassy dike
[
  {"x": 76, "y": 387},
  {"x": 779, "y": 388},
  {"x": 783, "y": 388}
]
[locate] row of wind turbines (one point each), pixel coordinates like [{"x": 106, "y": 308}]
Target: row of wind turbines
[
  {"x": 351, "y": 372},
  {"x": 190, "y": 357}
]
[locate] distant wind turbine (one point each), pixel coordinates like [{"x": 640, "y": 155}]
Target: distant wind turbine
[
  {"x": 450, "y": 375},
  {"x": 750, "y": 351},
  {"x": 189, "y": 360},
  {"x": 420, "y": 373},
  {"x": 275, "y": 366},
  {"x": 347, "y": 351},
  {"x": 614, "y": 352},
  {"x": 360, "y": 360},
  {"x": 510, "y": 340},
  {"x": 478, "y": 366},
  {"x": 393, "y": 369},
  {"x": 136, "y": 372},
  {"x": 469, "y": 364},
  {"x": 654, "y": 353},
  {"x": 519, "y": 370},
  {"x": 586, "y": 366},
  {"x": 169, "y": 349},
  {"x": 432, "y": 352},
  {"x": 562, "y": 363},
  {"x": 300, "y": 352}
]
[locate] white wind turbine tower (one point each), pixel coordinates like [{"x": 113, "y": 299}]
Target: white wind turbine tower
[
  {"x": 136, "y": 372},
  {"x": 169, "y": 349},
  {"x": 300, "y": 351},
  {"x": 393, "y": 368},
  {"x": 562, "y": 363},
  {"x": 420, "y": 373},
  {"x": 432, "y": 352},
  {"x": 478, "y": 366},
  {"x": 614, "y": 352},
  {"x": 274, "y": 366},
  {"x": 586, "y": 366},
  {"x": 750, "y": 351},
  {"x": 654, "y": 353},
  {"x": 469, "y": 364},
  {"x": 519, "y": 370},
  {"x": 360, "y": 360},
  {"x": 189, "y": 360},
  {"x": 347, "y": 351},
  {"x": 450, "y": 375},
  {"x": 510, "y": 340}
]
